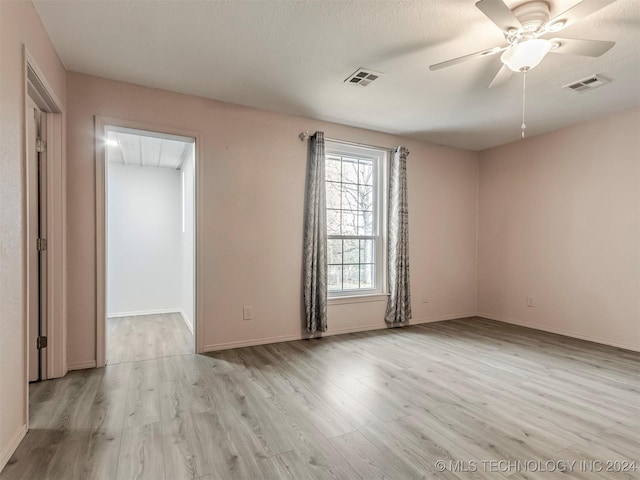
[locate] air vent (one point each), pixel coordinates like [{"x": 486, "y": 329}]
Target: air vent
[
  {"x": 363, "y": 77},
  {"x": 588, "y": 83}
]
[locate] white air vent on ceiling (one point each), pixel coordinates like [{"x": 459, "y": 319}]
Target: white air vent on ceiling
[
  {"x": 363, "y": 77},
  {"x": 588, "y": 83}
]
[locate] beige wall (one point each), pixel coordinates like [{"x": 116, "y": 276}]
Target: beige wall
[
  {"x": 19, "y": 24},
  {"x": 560, "y": 220},
  {"x": 253, "y": 193}
]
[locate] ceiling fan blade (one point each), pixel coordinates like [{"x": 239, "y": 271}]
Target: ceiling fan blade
[
  {"x": 503, "y": 75},
  {"x": 499, "y": 14},
  {"x": 575, "y": 46},
  {"x": 576, "y": 13},
  {"x": 454, "y": 61}
]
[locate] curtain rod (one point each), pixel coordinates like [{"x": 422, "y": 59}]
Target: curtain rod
[{"x": 305, "y": 136}]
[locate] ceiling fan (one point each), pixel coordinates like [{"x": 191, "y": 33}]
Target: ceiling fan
[{"x": 525, "y": 28}]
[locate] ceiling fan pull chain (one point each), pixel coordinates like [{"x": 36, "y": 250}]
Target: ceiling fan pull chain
[{"x": 524, "y": 95}]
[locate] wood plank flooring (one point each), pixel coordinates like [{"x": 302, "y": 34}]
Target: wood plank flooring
[
  {"x": 145, "y": 337},
  {"x": 386, "y": 404}
]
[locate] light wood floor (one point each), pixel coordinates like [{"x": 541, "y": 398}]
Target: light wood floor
[
  {"x": 385, "y": 404},
  {"x": 145, "y": 337}
]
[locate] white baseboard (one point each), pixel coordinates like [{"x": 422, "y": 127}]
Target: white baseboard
[
  {"x": 441, "y": 318},
  {"x": 10, "y": 448},
  {"x": 82, "y": 365},
  {"x": 154, "y": 312},
  {"x": 144, "y": 312},
  {"x": 560, "y": 331},
  {"x": 186, "y": 320},
  {"x": 250, "y": 343},
  {"x": 337, "y": 331}
]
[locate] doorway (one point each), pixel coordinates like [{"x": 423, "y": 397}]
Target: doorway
[
  {"x": 44, "y": 229},
  {"x": 150, "y": 244}
]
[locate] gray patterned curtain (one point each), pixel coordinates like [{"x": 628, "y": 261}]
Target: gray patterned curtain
[
  {"x": 315, "y": 238},
  {"x": 399, "y": 305}
]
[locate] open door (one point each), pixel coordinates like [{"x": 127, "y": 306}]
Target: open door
[{"x": 36, "y": 240}]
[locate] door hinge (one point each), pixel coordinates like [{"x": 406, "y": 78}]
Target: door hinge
[
  {"x": 41, "y": 244},
  {"x": 41, "y": 342},
  {"x": 41, "y": 145}
]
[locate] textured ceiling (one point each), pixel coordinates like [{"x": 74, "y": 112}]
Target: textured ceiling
[{"x": 293, "y": 56}]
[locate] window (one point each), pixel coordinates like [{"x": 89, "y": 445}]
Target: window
[
  {"x": 184, "y": 205},
  {"x": 354, "y": 178}
]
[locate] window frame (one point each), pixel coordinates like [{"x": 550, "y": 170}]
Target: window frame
[{"x": 379, "y": 158}]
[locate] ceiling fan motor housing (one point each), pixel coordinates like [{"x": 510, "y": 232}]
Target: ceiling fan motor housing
[{"x": 533, "y": 16}]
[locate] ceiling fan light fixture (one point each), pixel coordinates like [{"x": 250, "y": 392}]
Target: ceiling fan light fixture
[{"x": 525, "y": 55}]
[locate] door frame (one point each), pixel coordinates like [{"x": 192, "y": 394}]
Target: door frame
[
  {"x": 101, "y": 124},
  {"x": 54, "y": 357},
  {"x": 35, "y": 226}
]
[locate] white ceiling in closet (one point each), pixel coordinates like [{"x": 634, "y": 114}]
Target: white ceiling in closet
[{"x": 146, "y": 151}]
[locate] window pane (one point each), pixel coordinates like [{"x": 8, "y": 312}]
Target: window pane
[
  {"x": 333, "y": 222},
  {"x": 365, "y": 173},
  {"x": 349, "y": 196},
  {"x": 351, "y": 252},
  {"x": 349, "y": 223},
  {"x": 365, "y": 223},
  {"x": 334, "y": 251},
  {"x": 334, "y": 277},
  {"x": 350, "y": 277},
  {"x": 366, "y": 276},
  {"x": 367, "y": 251},
  {"x": 332, "y": 169},
  {"x": 349, "y": 170},
  {"x": 352, "y": 218},
  {"x": 333, "y": 195},
  {"x": 365, "y": 197}
]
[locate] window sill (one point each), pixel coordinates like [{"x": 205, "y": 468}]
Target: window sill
[{"x": 373, "y": 297}]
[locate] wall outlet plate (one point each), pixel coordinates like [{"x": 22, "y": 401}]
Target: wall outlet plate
[
  {"x": 247, "y": 312},
  {"x": 531, "y": 301}
]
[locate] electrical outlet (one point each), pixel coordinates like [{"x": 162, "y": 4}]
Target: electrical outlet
[
  {"x": 247, "y": 312},
  {"x": 531, "y": 301},
  {"x": 425, "y": 298}
]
